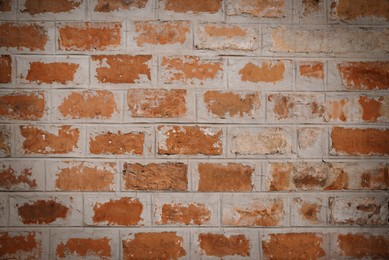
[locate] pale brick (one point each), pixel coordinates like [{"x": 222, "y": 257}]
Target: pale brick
[
  {"x": 22, "y": 175},
  {"x": 309, "y": 11},
  {"x": 113, "y": 10},
  {"x": 312, "y": 142},
  {"x": 8, "y": 9},
  {"x": 4, "y": 210},
  {"x": 6, "y": 143},
  {"x": 311, "y": 75},
  {"x": 308, "y": 210}
]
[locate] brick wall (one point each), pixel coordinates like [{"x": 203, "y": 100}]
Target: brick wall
[{"x": 188, "y": 129}]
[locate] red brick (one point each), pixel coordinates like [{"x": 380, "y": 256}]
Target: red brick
[
  {"x": 188, "y": 6},
  {"x": 156, "y": 245},
  {"x": 191, "y": 69},
  {"x": 189, "y": 140},
  {"x": 16, "y": 36},
  {"x": 349, "y": 10},
  {"x": 215, "y": 177},
  {"x": 20, "y": 245},
  {"x": 84, "y": 247},
  {"x": 363, "y": 245},
  {"x": 157, "y": 103},
  {"x": 219, "y": 245},
  {"x": 42, "y": 212},
  {"x": 11, "y": 178},
  {"x": 364, "y": 75},
  {"x": 155, "y": 176},
  {"x": 125, "y": 211},
  {"x": 34, "y": 7},
  {"x": 6, "y": 6},
  {"x": 188, "y": 214},
  {"x": 88, "y": 104},
  {"x": 89, "y": 36},
  {"x": 5, "y": 69},
  {"x": 293, "y": 246},
  {"x": 359, "y": 141},
  {"x": 266, "y": 9},
  {"x": 49, "y": 73},
  {"x": 117, "y": 143},
  {"x": 121, "y": 69},
  {"x": 23, "y": 105},
  {"x": 374, "y": 109},
  {"x": 160, "y": 33},
  {"x": 105, "y": 6},
  {"x": 231, "y": 104}
]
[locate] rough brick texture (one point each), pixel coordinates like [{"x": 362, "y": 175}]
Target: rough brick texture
[{"x": 194, "y": 129}]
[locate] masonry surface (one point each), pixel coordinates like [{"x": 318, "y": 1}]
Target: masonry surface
[{"x": 194, "y": 129}]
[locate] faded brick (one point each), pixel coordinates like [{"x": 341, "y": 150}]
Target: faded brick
[
  {"x": 122, "y": 69},
  {"x": 154, "y": 245},
  {"x": 214, "y": 177},
  {"x": 157, "y": 103},
  {"x": 5, "y": 140},
  {"x": 188, "y": 6},
  {"x": 311, "y": 141},
  {"x": 188, "y": 214},
  {"x": 155, "y": 176},
  {"x": 5, "y": 69},
  {"x": 226, "y": 37},
  {"x": 191, "y": 70},
  {"x": 293, "y": 246},
  {"x": 336, "y": 109},
  {"x": 89, "y": 36},
  {"x": 22, "y": 105},
  {"x": 34, "y": 7},
  {"x": 21, "y": 245},
  {"x": 230, "y": 104},
  {"x": 16, "y": 36},
  {"x": 311, "y": 69},
  {"x": 189, "y": 140},
  {"x": 20, "y": 175},
  {"x": 359, "y": 141},
  {"x": 363, "y": 245},
  {"x": 220, "y": 245},
  {"x": 88, "y": 104},
  {"x": 265, "y": 9},
  {"x": 306, "y": 210},
  {"x": 49, "y": 73},
  {"x": 84, "y": 247},
  {"x": 310, "y": 7},
  {"x": 105, "y": 6},
  {"x": 358, "y": 210},
  {"x": 350, "y": 10}
]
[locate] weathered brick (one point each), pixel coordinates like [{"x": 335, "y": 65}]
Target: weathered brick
[
  {"x": 367, "y": 75},
  {"x": 361, "y": 245},
  {"x": 39, "y": 36},
  {"x": 229, "y": 104},
  {"x": 65, "y": 140},
  {"x": 80, "y": 175},
  {"x": 311, "y": 11},
  {"x": 6, "y": 6},
  {"x": 187, "y": 6},
  {"x": 308, "y": 210},
  {"x": 358, "y": 210},
  {"x": 165, "y": 35},
  {"x": 215, "y": 177},
  {"x": 324, "y": 39},
  {"x": 116, "y": 141},
  {"x": 245, "y": 141},
  {"x": 258, "y": 210},
  {"x": 261, "y": 74},
  {"x": 4, "y": 210},
  {"x": 121, "y": 69},
  {"x": 23, "y": 105},
  {"x": 60, "y": 9},
  {"x": 88, "y": 104},
  {"x": 236, "y": 37},
  {"x": 359, "y": 141},
  {"x": 89, "y": 36},
  {"x": 297, "y": 176},
  {"x": 157, "y": 103},
  {"x": 84, "y": 243},
  {"x": 219, "y": 245},
  {"x": 45, "y": 210},
  {"x": 5, "y": 69},
  {"x": 155, "y": 176},
  {"x": 253, "y": 8},
  {"x": 310, "y": 75},
  {"x": 21, "y": 175},
  {"x": 192, "y": 70},
  {"x": 293, "y": 246},
  {"x": 23, "y": 244},
  {"x": 189, "y": 140},
  {"x": 351, "y": 10},
  {"x": 154, "y": 245},
  {"x": 180, "y": 209},
  {"x": 104, "y": 6},
  {"x": 5, "y": 140},
  {"x": 311, "y": 141},
  {"x": 116, "y": 211},
  {"x": 295, "y": 107}
]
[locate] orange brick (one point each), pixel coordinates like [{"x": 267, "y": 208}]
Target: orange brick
[
  {"x": 356, "y": 141},
  {"x": 105, "y": 6},
  {"x": 266, "y": 9},
  {"x": 349, "y": 10},
  {"x": 117, "y": 143},
  {"x": 21, "y": 175},
  {"x": 363, "y": 245},
  {"x": 21, "y": 245},
  {"x": 220, "y": 245},
  {"x": 49, "y": 73},
  {"x": 23, "y": 105},
  {"x": 189, "y": 140},
  {"x": 120, "y": 69},
  {"x": 84, "y": 247},
  {"x": 33, "y": 7},
  {"x": 293, "y": 246},
  {"x": 311, "y": 70},
  {"x": 16, "y": 36},
  {"x": 155, "y": 176},
  {"x": 5, "y": 69},
  {"x": 268, "y": 71},
  {"x": 157, "y": 103},
  {"x": 186, "y": 6},
  {"x": 89, "y": 36},
  {"x": 231, "y": 177},
  {"x": 189, "y": 214}
]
